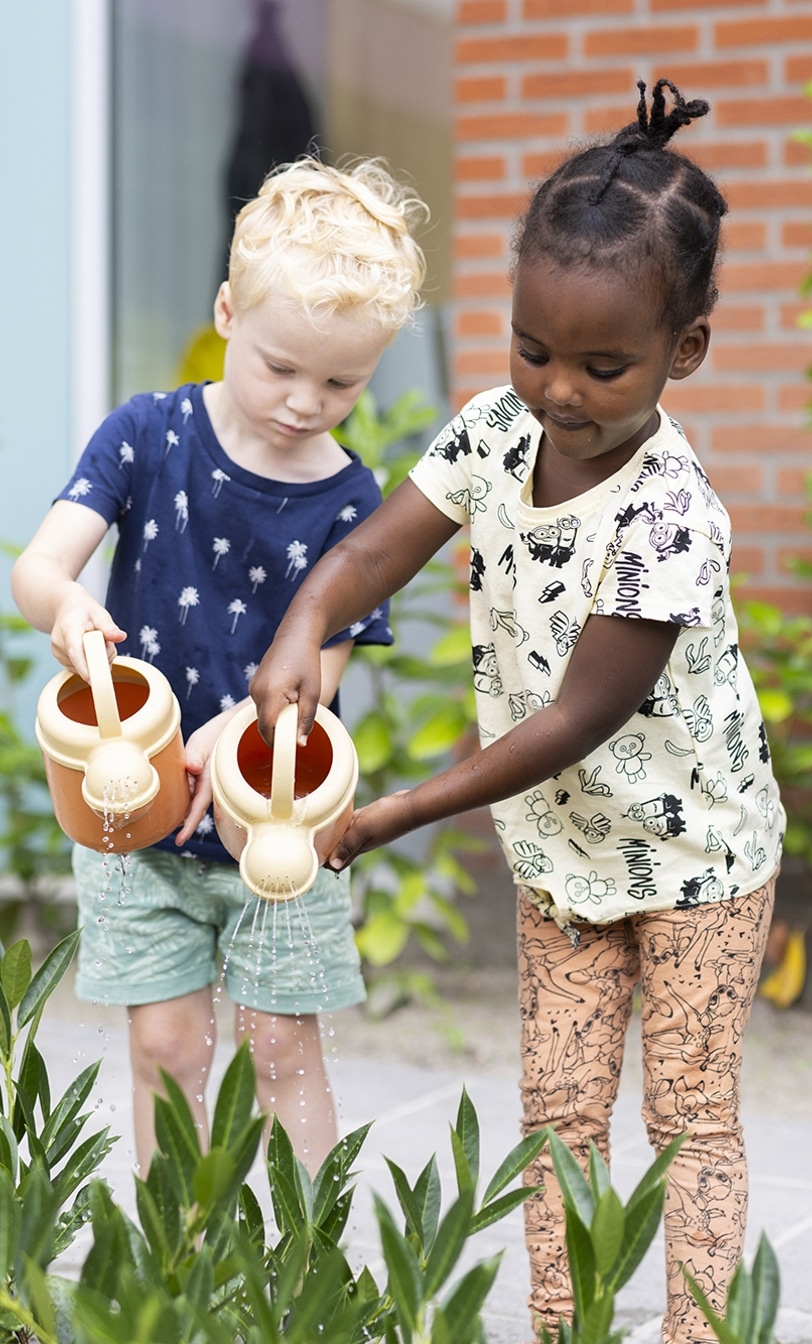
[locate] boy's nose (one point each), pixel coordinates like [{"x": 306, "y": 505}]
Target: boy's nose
[{"x": 303, "y": 400}]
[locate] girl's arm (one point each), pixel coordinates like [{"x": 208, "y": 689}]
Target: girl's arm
[
  {"x": 373, "y": 562},
  {"x": 43, "y": 583},
  {"x": 613, "y": 667}
]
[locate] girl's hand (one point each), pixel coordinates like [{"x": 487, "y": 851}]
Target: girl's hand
[
  {"x": 198, "y": 769},
  {"x": 290, "y": 672},
  {"x": 376, "y": 824}
]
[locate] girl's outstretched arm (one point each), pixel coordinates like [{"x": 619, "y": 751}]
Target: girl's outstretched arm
[
  {"x": 613, "y": 667},
  {"x": 349, "y": 582}
]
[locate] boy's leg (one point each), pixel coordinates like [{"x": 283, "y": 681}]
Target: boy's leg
[
  {"x": 178, "y": 1037},
  {"x": 292, "y": 1080},
  {"x": 700, "y": 971},
  {"x": 575, "y": 1006}
]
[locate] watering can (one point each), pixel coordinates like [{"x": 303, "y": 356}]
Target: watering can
[
  {"x": 113, "y": 752},
  {"x": 281, "y": 809}
]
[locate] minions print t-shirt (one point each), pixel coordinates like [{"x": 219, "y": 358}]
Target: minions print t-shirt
[{"x": 680, "y": 807}]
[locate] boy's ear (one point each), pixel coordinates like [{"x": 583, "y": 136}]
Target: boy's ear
[
  {"x": 692, "y": 348},
  {"x": 223, "y": 311}
]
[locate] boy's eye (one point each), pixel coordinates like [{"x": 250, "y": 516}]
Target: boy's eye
[
  {"x": 341, "y": 387},
  {"x": 277, "y": 368}
]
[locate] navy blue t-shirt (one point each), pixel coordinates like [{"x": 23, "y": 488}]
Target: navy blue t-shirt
[{"x": 209, "y": 556}]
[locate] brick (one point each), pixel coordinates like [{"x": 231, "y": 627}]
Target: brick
[
  {"x": 792, "y": 601},
  {"x": 766, "y": 195},
  {"x": 762, "y": 112},
  {"x": 765, "y": 438},
  {"x": 577, "y": 83},
  {"x": 792, "y": 480},
  {"x": 787, "y": 555},
  {"x": 744, "y": 235},
  {"x": 478, "y": 245},
  {"x": 715, "y": 157},
  {"x": 669, "y": 6},
  {"x": 765, "y": 357},
  {"x": 746, "y": 560},
  {"x": 761, "y": 275},
  {"x": 510, "y": 50},
  {"x": 491, "y": 90},
  {"x": 554, "y": 9},
  {"x": 490, "y": 285},
  {"x": 797, "y": 233},
  {"x": 794, "y": 400},
  {"x": 763, "y": 517},
  {"x": 492, "y": 206},
  {"x": 481, "y": 323},
  {"x": 709, "y": 398},
  {"x": 706, "y": 75},
  {"x": 795, "y": 153},
  {"x": 791, "y": 314},
  {"x": 737, "y": 480},
  {"x": 738, "y": 317},
  {"x": 766, "y": 32},
  {"x": 480, "y": 168},
  {"x": 471, "y": 12},
  {"x": 641, "y": 41},
  {"x": 481, "y": 361},
  {"x": 536, "y": 166},
  {"x": 511, "y": 126},
  {"x": 798, "y": 69}
]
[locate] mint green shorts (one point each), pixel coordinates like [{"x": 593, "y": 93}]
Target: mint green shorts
[{"x": 156, "y": 926}]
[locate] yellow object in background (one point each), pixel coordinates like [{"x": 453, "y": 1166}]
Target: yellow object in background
[
  {"x": 203, "y": 359},
  {"x": 784, "y": 985}
]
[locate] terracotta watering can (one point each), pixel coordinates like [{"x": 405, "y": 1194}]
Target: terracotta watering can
[
  {"x": 281, "y": 810},
  {"x": 113, "y": 752}
]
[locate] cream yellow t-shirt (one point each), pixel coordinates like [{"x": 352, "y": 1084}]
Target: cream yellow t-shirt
[{"x": 680, "y": 807}]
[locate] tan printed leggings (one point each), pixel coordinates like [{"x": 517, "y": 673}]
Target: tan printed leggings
[{"x": 698, "y": 971}]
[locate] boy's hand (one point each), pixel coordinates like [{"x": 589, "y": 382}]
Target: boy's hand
[
  {"x": 376, "y": 824},
  {"x": 76, "y": 615}
]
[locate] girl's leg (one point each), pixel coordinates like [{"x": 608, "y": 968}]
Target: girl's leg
[
  {"x": 575, "y": 1006},
  {"x": 700, "y": 969},
  {"x": 292, "y": 1079},
  {"x": 178, "y": 1037}
]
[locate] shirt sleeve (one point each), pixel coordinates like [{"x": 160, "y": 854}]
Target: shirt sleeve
[{"x": 102, "y": 478}]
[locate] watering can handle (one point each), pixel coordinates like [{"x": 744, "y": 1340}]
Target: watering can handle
[
  {"x": 101, "y": 684},
  {"x": 283, "y": 770}
]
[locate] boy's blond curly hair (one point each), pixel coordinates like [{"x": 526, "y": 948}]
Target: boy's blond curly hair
[{"x": 333, "y": 239}]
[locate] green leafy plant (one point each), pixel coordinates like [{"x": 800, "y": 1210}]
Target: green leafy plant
[
  {"x": 605, "y": 1239},
  {"x": 752, "y": 1300},
  {"x": 421, "y": 711}
]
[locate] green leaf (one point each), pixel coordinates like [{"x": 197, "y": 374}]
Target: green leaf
[
  {"x": 453, "y": 648},
  {"x": 214, "y": 1177},
  {"x": 516, "y": 1162},
  {"x": 640, "y": 1225},
  {"x": 47, "y": 978},
  {"x": 373, "y": 742},
  {"x": 467, "y": 1130},
  {"x": 405, "y": 1279},
  {"x": 235, "y": 1099},
  {"x": 460, "y": 1310},
  {"x": 200, "y": 1284},
  {"x": 5, "y": 1025},
  {"x": 581, "y": 1256},
  {"x": 720, "y": 1329},
  {"x": 15, "y": 971},
  {"x": 409, "y": 1205},
  {"x": 177, "y": 1138},
  {"x": 766, "y": 1280},
  {"x": 607, "y": 1230},
  {"x": 497, "y": 1209},
  {"x": 382, "y": 938},
  {"x": 428, "y": 1193},
  {"x": 448, "y": 1244},
  {"x": 439, "y": 733},
  {"x": 10, "y": 1219}
]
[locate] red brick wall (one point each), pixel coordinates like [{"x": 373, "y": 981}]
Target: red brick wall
[{"x": 533, "y": 75}]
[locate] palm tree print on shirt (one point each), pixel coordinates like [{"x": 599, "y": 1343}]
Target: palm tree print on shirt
[
  {"x": 81, "y": 486},
  {"x": 236, "y": 609},
  {"x": 186, "y": 409},
  {"x": 192, "y": 678},
  {"x": 189, "y": 597},
  {"x": 221, "y": 546},
  {"x": 348, "y": 514},
  {"x": 151, "y": 531},
  {"x": 219, "y": 477},
  {"x": 181, "y": 510},
  {"x": 126, "y": 454},
  {"x": 148, "y": 639},
  {"x": 171, "y": 441},
  {"x": 297, "y": 556},
  {"x": 257, "y": 575}
]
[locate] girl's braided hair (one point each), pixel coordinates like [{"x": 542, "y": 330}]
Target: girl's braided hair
[{"x": 630, "y": 203}]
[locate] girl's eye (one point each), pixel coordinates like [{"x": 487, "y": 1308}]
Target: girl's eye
[
  {"x": 604, "y": 375},
  {"x": 530, "y": 358}
]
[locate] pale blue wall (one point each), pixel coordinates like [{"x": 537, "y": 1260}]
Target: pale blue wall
[{"x": 34, "y": 247}]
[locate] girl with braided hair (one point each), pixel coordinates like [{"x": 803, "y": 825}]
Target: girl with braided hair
[{"x": 622, "y": 750}]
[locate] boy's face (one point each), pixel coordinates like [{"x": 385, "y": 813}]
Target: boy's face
[{"x": 288, "y": 380}]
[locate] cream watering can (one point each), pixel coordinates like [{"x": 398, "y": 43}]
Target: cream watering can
[
  {"x": 281, "y": 810},
  {"x": 113, "y": 752}
]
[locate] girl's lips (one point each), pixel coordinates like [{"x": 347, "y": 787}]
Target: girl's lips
[{"x": 565, "y": 424}]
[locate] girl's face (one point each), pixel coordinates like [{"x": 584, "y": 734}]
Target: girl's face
[{"x": 590, "y": 356}]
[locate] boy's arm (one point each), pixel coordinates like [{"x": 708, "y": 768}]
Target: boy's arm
[
  {"x": 44, "y": 586},
  {"x": 613, "y": 667},
  {"x": 377, "y": 558}
]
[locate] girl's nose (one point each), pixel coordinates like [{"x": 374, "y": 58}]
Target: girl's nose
[{"x": 560, "y": 388}]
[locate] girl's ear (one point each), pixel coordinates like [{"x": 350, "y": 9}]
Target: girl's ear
[
  {"x": 223, "y": 311},
  {"x": 692, "y": 348}
]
